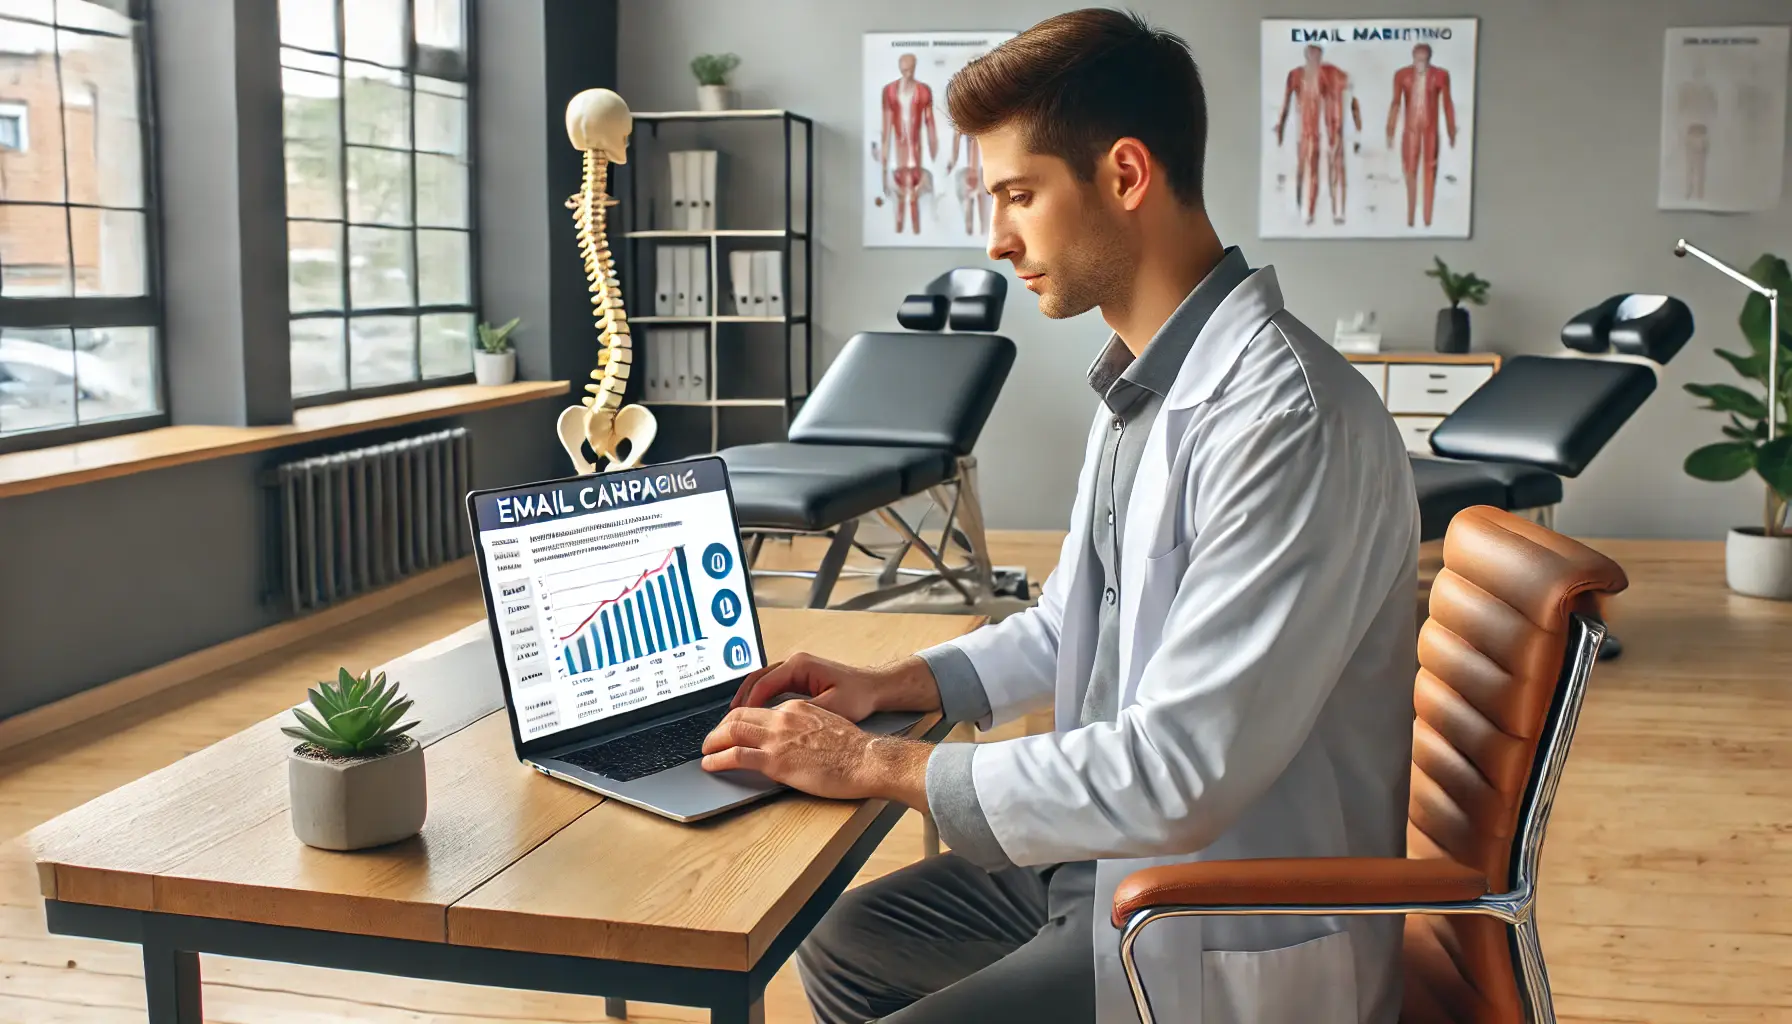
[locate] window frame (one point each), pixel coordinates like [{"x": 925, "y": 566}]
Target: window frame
[
  {"x": 428, "y": 62},
  {"x": 74, "y": 312}
]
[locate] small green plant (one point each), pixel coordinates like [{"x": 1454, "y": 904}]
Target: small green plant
[
  {"x": 496, "y": 340},
  {"x": 1459, "y": 288},
  {"x": 1748, "y": 447},
  {"x": 713, "y": 68},
  {"x": 358, "y": 716}
]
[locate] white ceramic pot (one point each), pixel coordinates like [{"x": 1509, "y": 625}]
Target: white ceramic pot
[
  {"x": 1758, "y": 565},
  {"x": 354, "y": 804},
  {"x": 712, "y": 97},
  {"x": 494, "y": 367}
]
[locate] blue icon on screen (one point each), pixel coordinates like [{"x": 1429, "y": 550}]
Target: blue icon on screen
[
  {"x": 736, "y": 655},
  {"x": 717, "y": 561},
  {"x": 726, "y": 607}
]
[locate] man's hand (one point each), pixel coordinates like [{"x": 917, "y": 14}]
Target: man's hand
[
  {"x": 849, "y": 691},
  {"x": 812, "y": 749}
]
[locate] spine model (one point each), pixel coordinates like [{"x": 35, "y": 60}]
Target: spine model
[{"x": 589, "y": 206}]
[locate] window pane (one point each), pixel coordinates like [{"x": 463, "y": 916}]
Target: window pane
[
  {"x": 382, "y": 350},
  {"x": 309, "y": 23},
  {"x": 312, "y": 105},
  {"x": 319, "y": 357},
  {"x": 439, "y": 24},
  {"x": 442, "y": 278},
  {"x": 316, "y": 63},
  {"x": 374, "y": 30},
  {"x": 42, "y": 10},
  {"x": 379, "y": 107},
  {"x": 379, "y": 186},
  {"x": 441, "y": 116},
  {"x": 314, "y": 266},
  {"x": 446, "y": 347},
  {"x": 99, "y": 112},
  {"x": 37, "y": 379},
  {"x": 116, "y": 372},
  {"x": 33, "y": 251},
  {"x": 109, "y": 253},
  {"x": 441, "y": 191},
  {"x": 379, "y": 268},
  {"x": 313, "y": 180},
  {"x": 32, "y": 171}
]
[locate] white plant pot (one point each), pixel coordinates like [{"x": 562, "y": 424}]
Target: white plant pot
[
  {"x": 1758, "y": 565},
  {"x": 354, "y": 804},
  {"x": 712, "y": 97},
  {"x": 494, "y": 367}
]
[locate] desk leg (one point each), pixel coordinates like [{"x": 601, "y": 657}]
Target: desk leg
[
  {"x": 171, "y": 980},
  {"x": 752, "y": 1013},
  {"x": 615, "y": 1008}
]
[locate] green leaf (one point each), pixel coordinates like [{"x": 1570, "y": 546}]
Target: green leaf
[
  {"x": 393, "y": 714},
  {"x": 325, "y": 702},
  {"x": 1720, "y": 462},
  {"x": 1753, "y": 367},
  {"x": 1774, "y": 463},
  {"x": 311, "y": 723},
  {"x": 353, "y": 725},
  {"x": 401, "y": 730},
  {"x": 1729, "y": 398}
]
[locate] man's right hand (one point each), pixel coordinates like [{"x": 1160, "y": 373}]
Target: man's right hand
[{"x": 850, "y": 691}]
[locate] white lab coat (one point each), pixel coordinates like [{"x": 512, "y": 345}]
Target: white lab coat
[{"x": 1267, "y": 654}]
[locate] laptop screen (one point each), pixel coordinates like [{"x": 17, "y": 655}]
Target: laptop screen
[{"x": 614, "y": 593}]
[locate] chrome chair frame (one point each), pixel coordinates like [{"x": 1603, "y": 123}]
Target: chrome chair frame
[{"x": 1515, "y": 907}]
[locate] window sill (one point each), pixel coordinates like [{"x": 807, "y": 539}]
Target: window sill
[{"x": 46, "y": 469}]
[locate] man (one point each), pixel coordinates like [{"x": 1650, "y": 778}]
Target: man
[
  {"x": 1321, "y": 88},
  {"x": 908, "y": 108},
  {"x": 1228, "y": 637},
  {"x": 1420, "y": 87}
]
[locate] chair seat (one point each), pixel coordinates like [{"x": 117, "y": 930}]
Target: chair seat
[
  {"x": 795, "y": 500},
  {"x": 1447, "y": 486},
  {"x": 919, "y": 467}
]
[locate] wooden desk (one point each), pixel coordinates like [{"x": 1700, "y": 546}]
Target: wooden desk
[{"x": 516, "y": 880}]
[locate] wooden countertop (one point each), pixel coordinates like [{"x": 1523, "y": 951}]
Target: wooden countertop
[{"x": 45, "y": 469}]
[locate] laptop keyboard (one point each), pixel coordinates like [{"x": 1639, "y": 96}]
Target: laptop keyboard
[{"x": 639, "y": 754}]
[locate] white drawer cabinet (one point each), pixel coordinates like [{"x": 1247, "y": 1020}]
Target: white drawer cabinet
[
  {"x": 1377, "y": 375},
  {"x": 1432, "y": 390},
  {"x": 1416, "y": 432}
]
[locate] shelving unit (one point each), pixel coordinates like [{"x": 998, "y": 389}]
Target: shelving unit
[{"x": 646, "y": 166}]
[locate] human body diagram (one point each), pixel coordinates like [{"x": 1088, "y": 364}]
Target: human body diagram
[
  {"x": 1421, "y": 91},
  {"x": 1321, "y": 90},
  {"x": 907, "y": 111}
]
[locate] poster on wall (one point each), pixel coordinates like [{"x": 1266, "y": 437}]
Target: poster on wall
[
  {"x": 1723, "y": 118},
  {"x": 1368, "y": 128},
  {"x": 923, "y": 183}
]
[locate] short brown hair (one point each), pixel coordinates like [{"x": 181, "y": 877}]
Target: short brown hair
[{"x": 1078, "y": 81}]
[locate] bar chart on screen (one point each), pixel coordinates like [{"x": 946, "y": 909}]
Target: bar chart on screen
[{"x": 647, "y": 607}]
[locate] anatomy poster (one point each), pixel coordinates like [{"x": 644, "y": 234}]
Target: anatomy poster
[
  {"x": 1723, "y": 118},
  {"x": 1368, "y": 128},
  {"x": 923, "y": 184}
]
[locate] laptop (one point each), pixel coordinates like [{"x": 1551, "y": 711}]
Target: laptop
[{"x": 624, "y": 624}]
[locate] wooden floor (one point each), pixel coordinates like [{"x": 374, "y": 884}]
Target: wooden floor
[{"x": 1667, "y": 881}]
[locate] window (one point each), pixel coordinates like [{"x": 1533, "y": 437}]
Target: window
[
  {"x": 78, "y": 341},
  {"x": 378, "y": 194}
]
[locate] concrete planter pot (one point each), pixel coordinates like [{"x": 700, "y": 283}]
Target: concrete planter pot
[
  {"x": 1758, "y": 565},
  {"x": 494, "y": 367},
  {"x": 713, "y": 97},
  {"x": 351, "y": 804}
]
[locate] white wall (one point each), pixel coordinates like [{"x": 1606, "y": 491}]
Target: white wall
[{"x": 1568, "y": 123}]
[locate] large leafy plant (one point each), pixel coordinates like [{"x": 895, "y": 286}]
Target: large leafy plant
[
  {"x": 713, "y": 68},
  {"x": 356, "y": 717},
  {"x": 1459, "y": 288},
  {"x": 1747, "y": 446}
]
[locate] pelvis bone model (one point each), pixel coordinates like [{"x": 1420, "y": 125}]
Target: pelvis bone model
[{"x": 598, "y": 122}]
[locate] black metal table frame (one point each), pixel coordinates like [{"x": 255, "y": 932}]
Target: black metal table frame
[{"x": 172, "y": 944}]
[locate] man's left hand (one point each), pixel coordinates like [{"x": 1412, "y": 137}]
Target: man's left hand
[{"x": 816, "y": 751}]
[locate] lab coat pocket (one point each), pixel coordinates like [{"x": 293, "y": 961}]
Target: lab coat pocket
[{"x": 1311, "y": 982}]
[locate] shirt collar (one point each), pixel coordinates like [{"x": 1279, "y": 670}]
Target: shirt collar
[{"x": 1155, "y": 370}]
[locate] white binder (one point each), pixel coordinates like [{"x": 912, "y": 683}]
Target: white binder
[
  {"x": 650, "y": 386},
  {"x": 662, "y": 280},
  {"x": 679, "y": 179},
  {"x": 681, "y": 280},
  {"x": 707, "y": 193},
  {"x": 773, "y": 270},
  {"x": 698, "y": 344},
  {"x": 693, "y": 190},
  {"x": 699, "y": 280},
  {"x": 681, "y": 367},
  {"x": 740, "y": 281},
  {"x": 756, "y": 283}
]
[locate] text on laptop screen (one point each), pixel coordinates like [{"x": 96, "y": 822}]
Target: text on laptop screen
[{"x": 616, "y": 591}]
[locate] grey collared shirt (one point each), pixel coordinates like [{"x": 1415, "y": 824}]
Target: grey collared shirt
[{"x": 1132, "y": 390}]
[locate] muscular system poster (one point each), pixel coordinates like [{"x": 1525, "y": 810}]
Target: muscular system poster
[
  {"x": 1368, "y": 128},
  {"x": 922, "y": 184},
  {"x": 1723, "y": 118}
]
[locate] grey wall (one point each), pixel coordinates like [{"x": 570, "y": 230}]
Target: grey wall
[{"x": 1567, "y": 129}]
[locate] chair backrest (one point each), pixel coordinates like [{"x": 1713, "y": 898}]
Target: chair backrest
[
  {"x": 1514, "y": 626},
  {"x": 921, "y": 390},
  {"x": 964, "y": 298}
]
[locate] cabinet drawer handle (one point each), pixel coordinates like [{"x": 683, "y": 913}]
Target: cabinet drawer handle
[
  {"x": 1437, "y": 391},
  {"x": 1438, "y": 376}
]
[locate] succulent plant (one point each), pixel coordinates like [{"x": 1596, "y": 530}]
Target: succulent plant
[{"x": 357, "y": 715}]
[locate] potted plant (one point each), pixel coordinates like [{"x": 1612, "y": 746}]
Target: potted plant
[
  {"x": 1757, "y": 559},
  {"x": 495, "y": 362},
  {"x": 712, "y": 71},
  {"x": 355, "y": 779},
  {"x": 1452, "y": 323}
]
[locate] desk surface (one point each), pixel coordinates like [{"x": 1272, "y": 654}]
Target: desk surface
[{"x": 508, "y": 859}]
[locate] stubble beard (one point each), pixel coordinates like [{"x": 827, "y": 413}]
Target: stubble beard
[{"x": 1092, "y": 273}]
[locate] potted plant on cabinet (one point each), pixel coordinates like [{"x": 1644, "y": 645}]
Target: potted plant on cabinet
[
  {"x": 495, "y": 362},
  {"x": 1452, "y": 323},
  {"x": 1757, "y": 560},
  {"x": 355, "y": 779},
  {"x": 712, "y": 70}
]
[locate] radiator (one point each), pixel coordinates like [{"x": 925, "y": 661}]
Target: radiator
[{"x": 356, "y": 520}]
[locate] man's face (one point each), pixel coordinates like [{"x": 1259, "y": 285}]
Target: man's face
[
  {"x": 1066, "y": 244},
  {"x": 906, "y": 65}
]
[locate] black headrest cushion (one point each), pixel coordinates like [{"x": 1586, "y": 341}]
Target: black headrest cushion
[
  {"x": 1589, "y": 330},
  {"x": 1652, "y": 326},
  {"x": 976, "y": 313},
  {"x": 923, "y": 312}
]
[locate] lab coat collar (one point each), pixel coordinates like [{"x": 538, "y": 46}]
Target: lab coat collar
[{"x": 1216, "y": 349}]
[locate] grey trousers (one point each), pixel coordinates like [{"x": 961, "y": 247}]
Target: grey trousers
[{"x": 944, "y": 940}]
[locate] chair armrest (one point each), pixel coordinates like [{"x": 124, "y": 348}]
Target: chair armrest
[{"x": 1281, "y": 881}]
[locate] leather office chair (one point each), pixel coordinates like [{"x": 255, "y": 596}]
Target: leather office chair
[{"x": 1514, "y": 629}]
